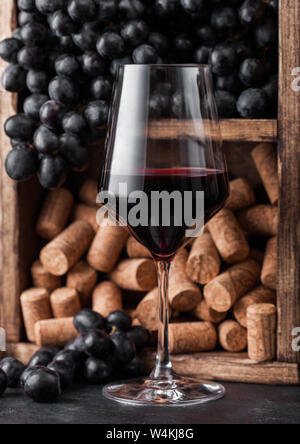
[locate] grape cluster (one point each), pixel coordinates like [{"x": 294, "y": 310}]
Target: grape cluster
[
  {"x": 105, "y": 350},
  {"x": 64, "y": 54}
]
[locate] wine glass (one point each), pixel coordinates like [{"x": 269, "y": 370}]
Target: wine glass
[{"x": 164, "y": 141}]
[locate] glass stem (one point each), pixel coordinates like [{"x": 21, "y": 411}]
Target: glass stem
[{"x": 163, "y": 367}]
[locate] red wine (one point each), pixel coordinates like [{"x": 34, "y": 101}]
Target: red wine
[{"x": 163, "y": 241}]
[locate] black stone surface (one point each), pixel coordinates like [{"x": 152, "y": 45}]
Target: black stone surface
[{"x": 244, "y": 404}]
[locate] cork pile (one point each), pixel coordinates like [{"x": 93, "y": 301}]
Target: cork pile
[{"x": 222, "y": 293}]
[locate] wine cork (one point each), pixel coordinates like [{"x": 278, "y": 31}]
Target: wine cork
[
  {"x": 65, "y": 302},
  {"x": 184, "y": 295},
  {"x": 88, "y": 192},
  {"x": 55, "y": 213},
  {"x": 223, "y": 291},
  {"x": 148, "y": 311},
  {"x": 22, "y": 351},
  {"x": 42, "y": 279},
  {"x": 107, "y": 297},
  {"x": 261, "y": 319},
  {"x": 35, "y": 304},
  {"x": 260, "y": 220},
  {"x": 135, "y": 274},
  {"x": 83, "y": 279},
  {"x": 107, "y": 247},
  {"x": 87, "y": 213},
  {"x": 232, "y": 337},
  {"x": 269, "y": 269},
  {"x": 259, "y": 295},
  {"x": 204, "y": 262},
  {"x": 241, "y": 195},
  {"x": 204, "y": 313},
  {"x": 228, "y": 237},
  {"x": 55, "y": 332},
  {"x": 67, "y": 248},
  {"x": 135, "y": 249},
  {"x": 265, "y": 159},
  {"x": 192, "y": 337}
]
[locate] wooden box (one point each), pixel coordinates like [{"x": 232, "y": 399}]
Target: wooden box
[{"x": 19, "y": 207}]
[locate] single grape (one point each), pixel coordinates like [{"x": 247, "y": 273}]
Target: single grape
[
  {"x": 9, "y": 49},
  {"x": 166, "y": 8},
  {"x": 26, "y": 5},
  {"x": 131, "y": 9},
  {"x": 31, "y": 57},
  {"x": 74, "y": 123},
  {"x": 159, "y": 42},
  {"x": 67, "y": 65},
  {"x": 86, "y": 38},
  {"x": 42, "y": 385},
  {"x": 96, "y": 114},
  {"x": 51, "y": 114},
  {"x": 20, "y": 127},
  {"x": 119, "y": 319},
  {"x": 159, "y": 104},
  {"x": 63, "y": 90},
  {"x": 97, "y": 371},
  {"x": 33, "y": 104},
  {"x": 87, "y": 320},
  {"x": 192, "y": 6},
  {"x": 25, "y": 17},
  {"x": 252, "y": 73},
  {"x": 82, "y": 10},
  {"x": 98, "y": 344},
  {"x": 61, "y": 24},
  {"x": 101, "y": 88},
  {"x": 107, "y": 9},
  {"x": 65, "y": 371},
  {"x": 125, "y": 349},
  {"x": 14, "y": 78},
  {"x": 21, "y": 164},
  {"x": 46, "y": 141},
  {"x": 13, "y": 370},
  {"x": 224, "y": 19},
  {"x": 223, "y": 60},
  {"x": 252, "y": 103},
  {"x": 145, "y": 54},
  {"x": 266, "y": 33},
  {"x": 41, "y": 358},
  {"x": 73, "y": 151},
  {"x": 226, "y": 104},
  {"x": 202, "y": 54},
  {"x": 92, "y": 64},
  {"x": 49, "y": 6},
  {"x": 52, "y": 171},
  {"x": 135, "y": 32},
  {"x": 37, "y": 81},
  {"x": 33, "y": 34},
  {"x": 110, "y": 45},
  {"x": 251, "y": 12},
  {"x": 229, "y": 83}
]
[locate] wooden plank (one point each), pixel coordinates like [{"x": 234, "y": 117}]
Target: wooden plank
[
  {"x": 9, "y": 224},
  {"x": 289, "y": 172},
  {"x": 229, "y": 367},
  {"x": 233, "y": 130}
]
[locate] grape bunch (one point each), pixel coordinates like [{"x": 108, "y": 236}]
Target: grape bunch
[
  {"x": 65, "y": 53},
  {"x": 105, "y": 350}
]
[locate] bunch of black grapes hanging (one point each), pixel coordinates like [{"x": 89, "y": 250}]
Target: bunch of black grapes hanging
[{"x": 65, "y": 53}]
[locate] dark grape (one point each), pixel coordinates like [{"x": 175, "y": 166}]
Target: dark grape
[
  {"x": 252, "y": 103},
  {"x": 92, "y": 64},
  {"x": 86, "y": 38},
  {"x": 159, "y": 42},
  {"x": 97, "y": 371},
  {"x": 67, "y": 65},
  {"x": 73, "y": 151},
  {"x": 207, "y": 35},
  {"x": 20, "y": 127},
  {"x": 252, "y": 73},
  {"x": 77, "y": 345},
  {"x": 135, "y": 32},
  {"x": 74, "y": 123},
  {"x": 115, "y": 65},
  {"x": 192, "y": 6},
  {"x": 87, "y": 320},
  {"x": 17, "y": 34},
  {"x": 251, "y": 12},
  {"x": 224, "y": 19},
  {"x": 67, "y": 45},
  {"x": 52, "y": 171},
  {"x": 51, "y": 114},
  {"x": 41, "y": 358},
  {"x": 65, "y": 371},
  {"x": 242, "y": 50},
  {"x": 107, "y": 9},
  {"x": 159, "y": 104},
  {"x": 46, "y": 141},
  {"x": 134, "y": 369},
  {"x": 131, "y": 9},
  {"x": 202, "y": 55},
  {"x": 25, "y": 17},
  {"x": 26, "y": 5},
  {"x": 266, "y": 33},
  {"x": 124, "y": 347},
  {"x": 13, "y": 370},
  {"x": 145, "y": 54},
  {"x": 49, "y": 6},
  {"x": 14, "y": 78},
  {"x": 226, "y": 104},
  {"x": 119, "y": 319},
  {"x": 61, "y": 24},
  {"x": 63, "y": 90},
  {"x": 96, "y": 114},
  {"x": 9, "y": 49},
  {"x": 110, "y": 45},
  {"x": 139, "y": 335},
  {"x": 82, "y": 10},
  {"x": 33, "y": 104},
  {"x": 229, "y": 83},
  {"x": 271, "y": 89},
  {"x": 223, "y": 60},
  {"x": 166, "y": 8},
  {"x": 98, "y": 344},
  {"x": 21, "y": 164},
  {"x": 28, "y": 372},
  {"x": 42, "y": 385},
  {"x": 33, "y": 34},
  {"x": 101, "y": 88},
  {"x": 37, "y": 81},
  {"x": 31, "y": 57}
]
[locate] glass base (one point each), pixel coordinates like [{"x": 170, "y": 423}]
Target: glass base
[{"x": 178, "y": 392}]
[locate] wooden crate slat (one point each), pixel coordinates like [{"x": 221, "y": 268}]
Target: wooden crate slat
[
  {"x": 229, "y": 367},
  {"x": 9, "y": 223},
  {"x": 233, "y": 130},
  {"x": 289, "y": 172}
]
